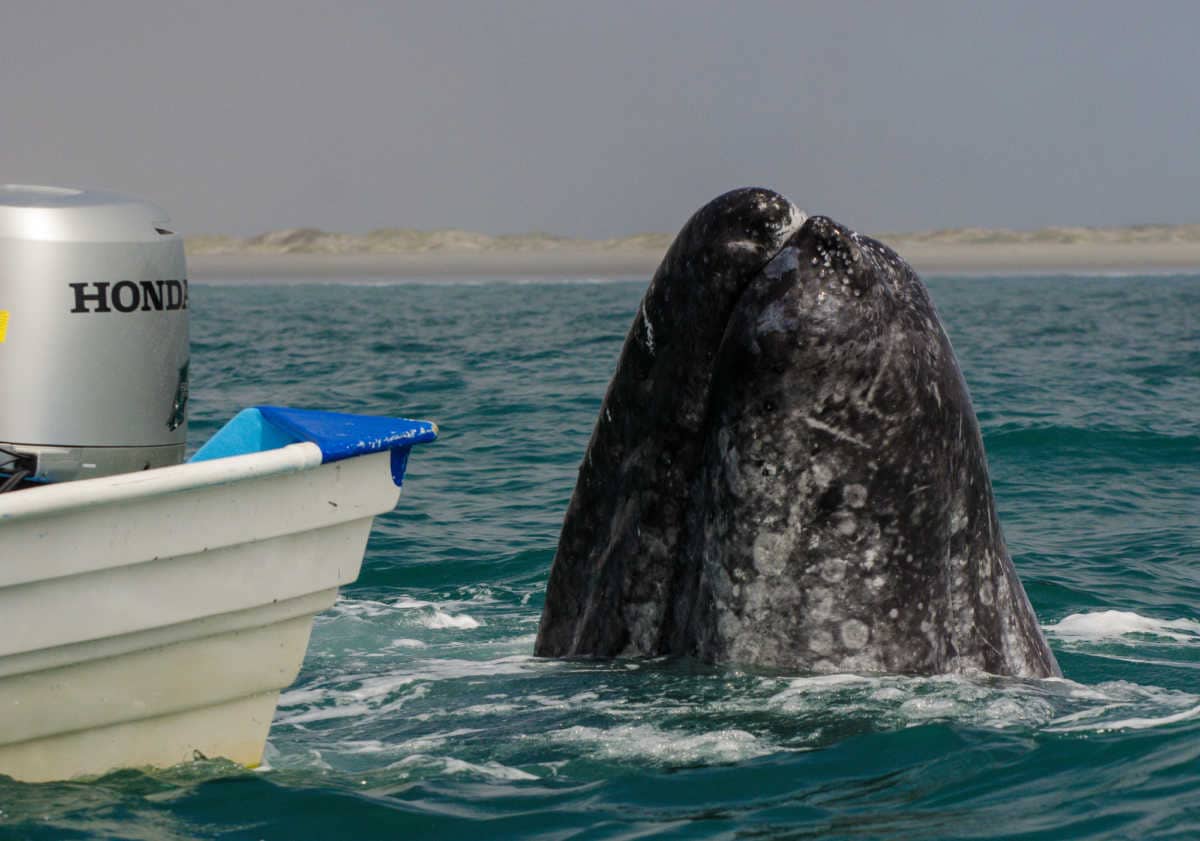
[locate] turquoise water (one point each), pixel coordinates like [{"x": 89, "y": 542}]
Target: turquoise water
[{"x": 419, "y": 711}]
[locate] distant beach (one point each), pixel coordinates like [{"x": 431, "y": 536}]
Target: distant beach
[{"x": 401, "y": 253}]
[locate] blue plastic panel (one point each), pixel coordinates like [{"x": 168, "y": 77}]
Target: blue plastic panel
[
  {"x": 338, "y": 435},
  {"x": 248, "y": 432}
]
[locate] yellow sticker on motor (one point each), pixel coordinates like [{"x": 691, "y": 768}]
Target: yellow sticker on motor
[{"x": 3, "y": 325}]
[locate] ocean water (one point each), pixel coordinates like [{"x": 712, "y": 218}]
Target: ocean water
[{"x": 420, "y": 712}]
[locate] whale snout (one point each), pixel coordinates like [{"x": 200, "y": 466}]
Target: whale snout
[{"x": 794, "y": 430}]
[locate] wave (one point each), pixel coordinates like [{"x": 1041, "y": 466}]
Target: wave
[{"x": 1119, "y": 624}]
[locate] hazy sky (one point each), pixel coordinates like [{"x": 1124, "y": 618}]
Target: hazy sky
[{"x": 604, "y": 118}]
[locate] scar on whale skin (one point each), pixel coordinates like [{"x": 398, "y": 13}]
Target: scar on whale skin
[{"x": 795, "y": 475}]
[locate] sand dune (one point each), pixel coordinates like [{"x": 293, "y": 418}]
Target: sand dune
[
  {"x": 399, "y": 252},
  {"x": 409, "y": 241}
]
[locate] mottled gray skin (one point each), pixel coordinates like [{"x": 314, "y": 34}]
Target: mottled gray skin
[
  {"x": 843, "y": 519},
  {"x": 825, "y": 503},
  {"x": 610, "y": 584}
]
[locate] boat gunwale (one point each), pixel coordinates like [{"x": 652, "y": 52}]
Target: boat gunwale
[{"x": 125, "y": 487}]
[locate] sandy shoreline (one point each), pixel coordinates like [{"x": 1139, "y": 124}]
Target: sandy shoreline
[
  {"x": 231, "y": 267},
  {"x": 1051, "y": 258},
  {"x": 927, "y": 258}
]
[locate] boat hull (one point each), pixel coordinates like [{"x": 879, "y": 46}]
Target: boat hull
[{"x": 152, "y": 618}]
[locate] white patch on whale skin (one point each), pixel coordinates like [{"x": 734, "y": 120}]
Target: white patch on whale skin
[
  {"x": 841, "y": 435},
  {"x": 742, "y": 245},
  {"x": 642, "y": 622},
  {"x": 833, "y": 570},
  {"x": 771, "y": 550},
  {"x": 649, "y": 330},
  {"x": 855, "y": 495},
  {"x": 820, "y": 642},
  {"x": 855, "y": 634},
  {"x": 822, "y": 475},
  {"x": 788, "y": 226},
  {"x": 869, "y": 559},
  {"x": 729, "y": 624},
  {"x": 889, "y": 348},
  {"x": 985, "y": 594},
  {"x": 958, "y": 515}
]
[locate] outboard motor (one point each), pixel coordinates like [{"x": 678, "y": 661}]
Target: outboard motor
[{"x": 93, "y": 336}]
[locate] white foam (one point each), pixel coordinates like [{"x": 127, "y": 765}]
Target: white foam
[
  {"x": 1128, "y": 723},
  {"x": 450, "y": 765},
  {"x": 452, "y": 668},
  {"x": 382, "y": 694},
  {"x": 301, "y": 697},
  {"x": 480, "y": 594},
  {"x": 367, "y": 695},
  {"x": 360, "y": 608},
  {"x": 439, "y": 619},
  {"x": 523, "y": 642},
  {"x": 424, "y": 744},
  {"x": 321, "y": 714},
  {"x": 751, "y": 715},
  {"x": 899, "y": 701},
  {"x": 488, "y": 709},
  {"x": 434, "y": 616},
  {"x": 360, "y": 747},
  {"x": 378, "y": 686},
  {"x": 407, "y": 603},
  {"x": 779, "y": 714},
  {"x": 817, "y": 683},
  {"x": 666, "y": 747},
  {"x": 1114, "y": 624}
]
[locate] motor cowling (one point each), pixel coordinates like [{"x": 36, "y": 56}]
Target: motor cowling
[{"x": 93, "y": 334}]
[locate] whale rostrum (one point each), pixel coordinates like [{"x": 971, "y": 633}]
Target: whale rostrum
[{"x": 787, "y": 470}]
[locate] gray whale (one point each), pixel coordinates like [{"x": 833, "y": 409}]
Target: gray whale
[{"x": 787, "y": 470}]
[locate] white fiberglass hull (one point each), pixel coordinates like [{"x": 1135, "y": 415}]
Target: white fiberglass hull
[{"x": 150, "y": 618}]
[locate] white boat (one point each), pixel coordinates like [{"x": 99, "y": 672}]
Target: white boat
[
  {"x": 150, "y": 618},
  {"x": 150, "y": 611}
]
